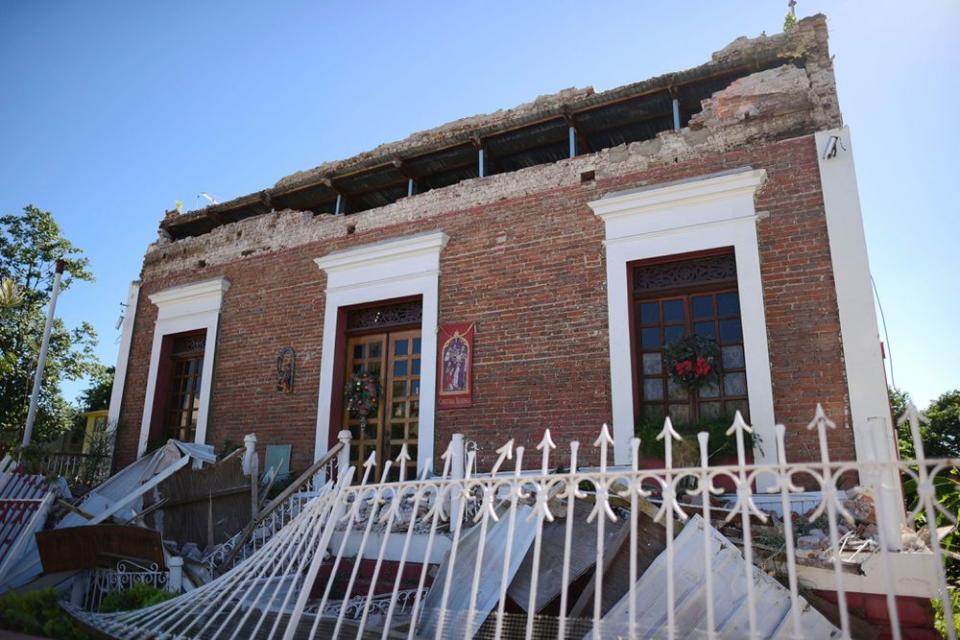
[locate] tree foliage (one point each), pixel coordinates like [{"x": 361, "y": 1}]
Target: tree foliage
[
  {"x": 941, "y": 439},
  {"x": 97, "y": 395},
  {"x": 30, "y": 244},
  {"x": 941, "y": 435}
]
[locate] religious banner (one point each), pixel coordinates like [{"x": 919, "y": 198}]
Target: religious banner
[{"x": 456, "y": 366}]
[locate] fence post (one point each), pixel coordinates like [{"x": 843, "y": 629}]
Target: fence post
[
  {"x": 343, "y": 457},
  {"x": 175, "y": 579},
  {"x": 250, "y": 452},
  {"x": 885, "y": 482},
  {"x": 456, "y": 473},
  {"x": 79, "y": 588},
  {"x": 251, "y": 467}
]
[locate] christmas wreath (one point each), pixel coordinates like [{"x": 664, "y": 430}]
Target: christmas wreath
[
  {"x": 362, "y": 395},
  {"x": 693, "y": 360}
]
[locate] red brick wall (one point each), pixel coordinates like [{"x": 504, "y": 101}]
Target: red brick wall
[{"x": 529, "y": 272}]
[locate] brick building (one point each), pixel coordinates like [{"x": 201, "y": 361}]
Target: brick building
[{"x": 526, "y": 269}]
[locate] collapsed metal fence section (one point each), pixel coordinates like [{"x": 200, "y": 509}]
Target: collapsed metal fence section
[
  {"x": 125, "y": 575},
  {"x": 533, "y": 552},
  {"x": 280, "y": 511}
]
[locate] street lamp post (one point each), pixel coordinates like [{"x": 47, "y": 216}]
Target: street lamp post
[{"x": 42, "y": 359}]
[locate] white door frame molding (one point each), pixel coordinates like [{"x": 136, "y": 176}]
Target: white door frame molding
[
  {"x": 394, "y": 268},
  {"x": 188, "y": 307},
  {"x": 707, "y": 212}
]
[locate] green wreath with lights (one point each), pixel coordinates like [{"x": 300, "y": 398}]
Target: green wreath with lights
[{"x": 362, "y": 396}]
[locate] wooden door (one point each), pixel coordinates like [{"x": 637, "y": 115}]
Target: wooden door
[
  {"x": 394, "y": 357},
  {"x": 402, "y": 393}
]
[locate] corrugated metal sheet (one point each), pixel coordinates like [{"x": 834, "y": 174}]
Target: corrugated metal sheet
[
  {"x": 20, "y": 497},
  {"x": 120, "y": 497},
  {"x": 729, "y": 596}
]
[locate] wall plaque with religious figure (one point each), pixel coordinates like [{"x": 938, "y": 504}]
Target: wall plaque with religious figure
[{"x": 456, "y": 366}]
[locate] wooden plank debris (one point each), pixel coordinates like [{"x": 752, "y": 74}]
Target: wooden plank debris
[{"x": 88, "y": 547}]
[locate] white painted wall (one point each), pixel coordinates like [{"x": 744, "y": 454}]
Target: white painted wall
[
  {"x": 863, "y": 361},
  {"x": 123, "y": 355}
]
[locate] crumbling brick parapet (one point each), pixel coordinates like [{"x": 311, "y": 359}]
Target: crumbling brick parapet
[{"x": 778, "y": 103}]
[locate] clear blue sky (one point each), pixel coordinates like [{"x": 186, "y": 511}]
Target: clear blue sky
[{"x": 111, "y": 111}]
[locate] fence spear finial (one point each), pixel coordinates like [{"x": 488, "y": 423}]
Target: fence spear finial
[
  {"x": 546, "y": 444},
  {"x": 368, "y": 465},
  {"x": 821, "y": 423},
  {"x": 785, "y": 480},
  {"x": 603, "y": 441},
  {"x": 402, "y": 461},
  {"x": 668, "y": 434},
  {"x": 914, "y": 417},
  {"x": 505, "y": 453},
  {"x": 740, "y": 427}
]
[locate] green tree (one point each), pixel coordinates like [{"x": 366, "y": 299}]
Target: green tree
[
  {"x": 30, "y": 243},
  {"x": 898, "y": 406},
  {"x": 97, "y": 395},
  {"x": 941, "y": 439},
  {"x": 941, "y": 436}
]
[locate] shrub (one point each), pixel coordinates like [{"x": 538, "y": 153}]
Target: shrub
[
  {"x": 38, "y": 613},
  {"x": 139, "y": 596}
]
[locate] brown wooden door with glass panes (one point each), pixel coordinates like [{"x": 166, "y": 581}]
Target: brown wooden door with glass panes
[
  {"x": 395, "y": 358},
  {"x": 183, "y": 401}
]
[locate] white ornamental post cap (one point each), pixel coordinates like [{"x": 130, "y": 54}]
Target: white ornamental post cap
[{"x": 250, "y": 451}]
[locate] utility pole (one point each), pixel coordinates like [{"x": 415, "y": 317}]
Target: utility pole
[{"x": 42, "y": 359}]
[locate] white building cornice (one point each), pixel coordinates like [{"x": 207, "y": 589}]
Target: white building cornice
[
  {"x": 384, "y": 251},
  {"x": 213, "y": 289},
  {"x": 744, "y": 181}
]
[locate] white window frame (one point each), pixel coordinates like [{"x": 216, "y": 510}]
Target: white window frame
[
  {"x": 710, "y": 212},
  {"x": 395, "y": 268},
  {"x": 190, "y": 307}
]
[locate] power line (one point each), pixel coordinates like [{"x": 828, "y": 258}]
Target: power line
[{"x": 886, "y": 336}]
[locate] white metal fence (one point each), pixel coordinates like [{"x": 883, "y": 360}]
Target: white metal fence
[
  {"x": 527, "y": 551},
  {"x": 280, "y": 511},
  {"x": 78, "y": 469},
  {"x": 101, "y": 582}
]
